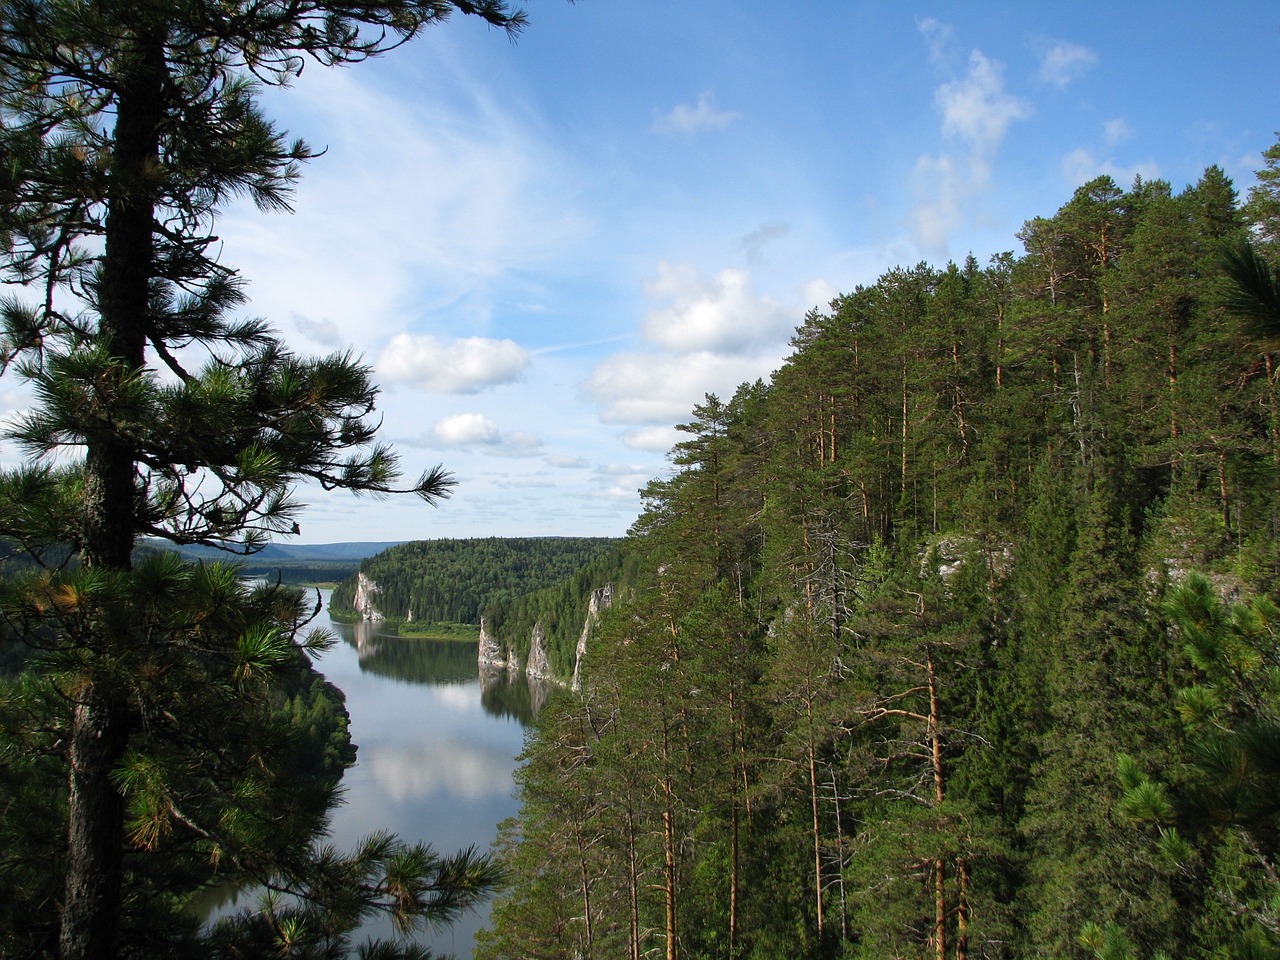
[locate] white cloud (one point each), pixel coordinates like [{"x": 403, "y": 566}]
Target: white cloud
[
  {"x": 977, "y": 112},
  {"x": 467, "y": 365},
  {"x": 1080, "y": 166},
  {"x": 686, "y": 118},
  {"x": 1062, "y": 62},
  {"x": 723, "y": 314},
  {"x": 417, "y": 205},
  {"x": 647, "y": 388},
  {"x": 465, "y": 430},
  {"x": 622, "y": 481},
  {"x": 517, "y": 443},
  {"x": 977, "y": 109},
  {"x": 652, "y": 439},
  {"x": 933, "y": 221}
]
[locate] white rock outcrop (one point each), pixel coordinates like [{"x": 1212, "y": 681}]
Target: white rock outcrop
[
  {"x": 366, "y": 590},
  {"x": 601, "y": 599}
]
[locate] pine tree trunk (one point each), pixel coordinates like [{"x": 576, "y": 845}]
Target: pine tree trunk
[
  {"x": 100, "y": 721},
  {"x": 817, "y": 823},
  {"x": 95, "y": 833}
]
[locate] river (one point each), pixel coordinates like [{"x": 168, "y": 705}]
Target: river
[{"x": 436, "y": 753}]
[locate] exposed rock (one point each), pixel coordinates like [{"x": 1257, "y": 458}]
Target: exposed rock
[
  {"x": 492, "y": 654},
  {"x": 601, "y": 599},
  {"x": 539, "y": 665},
  {"x": 366, "y": 590},
  {"x": 950, "y": 552}
]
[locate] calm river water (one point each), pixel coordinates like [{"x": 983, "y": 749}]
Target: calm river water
[{"x": 436, "y": 753}]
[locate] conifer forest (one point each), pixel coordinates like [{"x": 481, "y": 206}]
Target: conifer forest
[{"x": 956, "y": 638}]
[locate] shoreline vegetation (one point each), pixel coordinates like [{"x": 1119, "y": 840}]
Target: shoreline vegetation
[{"x": 452, "y": 632}]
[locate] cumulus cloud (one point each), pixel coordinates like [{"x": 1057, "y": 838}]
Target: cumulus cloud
[
  {"x": 708, "y": 335},
  {"x": 477, "y": 431},
  {"x": 1062, "y": 62},
  {"x": 690, "y": 118},
  {"x": 466, "y": 430},
  {"x": 977, "y": 112},
  {"x": 649, "y": 388},
  {"x": 467, "y": 365},
  {"x": 723, "y": 314}
]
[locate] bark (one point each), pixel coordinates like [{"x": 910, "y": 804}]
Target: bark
[
  {"x": 95, "y": 834},
  {"x": 816, "y": 822},
  {"x": 100, "y": 722}
]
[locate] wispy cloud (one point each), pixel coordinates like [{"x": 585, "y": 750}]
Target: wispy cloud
[
  {"x": 977, "y": 112},
  {"x": 415, "y": 207},
  {"x": 690, "y": 118},
  {"x": 467, "y": 365},
  {"x": 755, "y": 241},
  {"x": 1081, "y": 166},
  {"x": 1117, "y": 130},
  {"x": 1062, "y": 62},
  {"x": 977, "y": 109},
  {"x": 937, "y": 37}
]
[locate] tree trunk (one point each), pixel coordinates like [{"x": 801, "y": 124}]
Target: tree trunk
[
  {"x": 95, "y": 833},
  {"x": 817, "y": 823},
  {"x": 100, "y": 721}
]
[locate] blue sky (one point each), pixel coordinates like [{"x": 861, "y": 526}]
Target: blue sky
[{"x": 550, "y": 250}]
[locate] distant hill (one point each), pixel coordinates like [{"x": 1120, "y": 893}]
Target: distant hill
[
  {"x": 290, "y": 562},
  {"x": 293, "y": 551}
]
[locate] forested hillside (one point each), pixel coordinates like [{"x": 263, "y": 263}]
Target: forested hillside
[
  {"x": 458, "y": 581},
  {"x": 953, "y": 639}
]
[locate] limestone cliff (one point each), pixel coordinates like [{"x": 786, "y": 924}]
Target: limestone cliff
[
  {"x": 539, "y": 665},
  {"x": 601, "y": 599},
  {"x": 366, "y": 590},
  {"x": 492, "y": 654}
]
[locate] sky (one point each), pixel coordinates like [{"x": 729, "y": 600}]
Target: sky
[{"x": 549, "y": 251}]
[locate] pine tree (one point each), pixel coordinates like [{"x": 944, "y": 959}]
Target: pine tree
[{"x": 127, "y": 126}]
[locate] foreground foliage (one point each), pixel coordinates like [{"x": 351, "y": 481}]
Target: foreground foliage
[{"x": 158, "y": 411}]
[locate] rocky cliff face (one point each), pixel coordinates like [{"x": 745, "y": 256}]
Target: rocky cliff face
[
  {"x": 492, "y": 654},
  {"x": 601, "y": 599},
  {"x": 366, "y": 590},
  {"x": 539, "y": 665}
]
